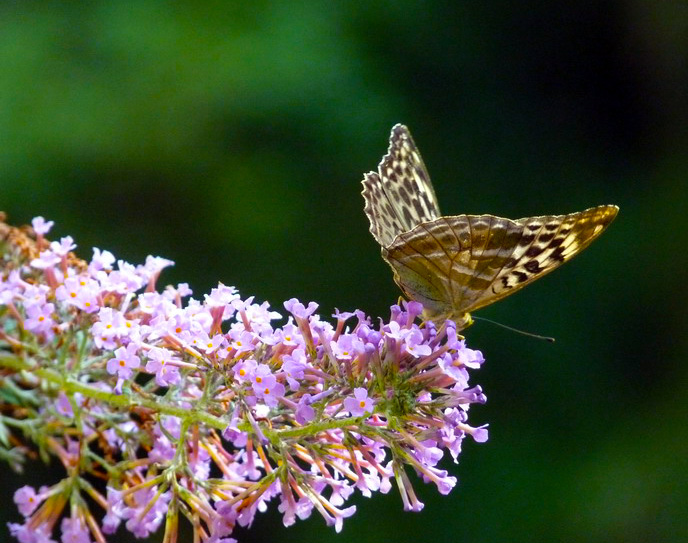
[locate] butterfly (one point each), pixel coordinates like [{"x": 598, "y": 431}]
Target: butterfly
[{"x": 454, "y": 265}]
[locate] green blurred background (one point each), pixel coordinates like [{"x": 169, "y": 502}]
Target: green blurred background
[{"x": 232, "y": 138}]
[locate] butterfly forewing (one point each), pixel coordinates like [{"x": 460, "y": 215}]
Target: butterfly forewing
[
  {"x": 399, "y": 195},
  {"x": 546, "y": 243},
  {"x": 454, "y": 265}
]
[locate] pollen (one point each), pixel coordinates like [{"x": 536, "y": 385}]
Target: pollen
[
  {"x": 361, "y": 403},
  {"x": 122, "y": 363},
  {"x": 72, "y": 294},
  {"x": 259, "y": 379}
]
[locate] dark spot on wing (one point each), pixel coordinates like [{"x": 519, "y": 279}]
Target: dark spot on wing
[
  {"x": 533, "y": 266},
  {"x": 534, "y": 250},
  {"x": 526, "y": 239},
  {"x": 521, "y": 276},
  {"x": 405, "y": 196},
  {"x": 407, "y": 216},
  {"x": 419, "y": 208},
  {"x": 556, "y": 254}
]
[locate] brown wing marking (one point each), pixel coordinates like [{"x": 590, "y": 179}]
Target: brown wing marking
[{"x": 546, "y": 243}]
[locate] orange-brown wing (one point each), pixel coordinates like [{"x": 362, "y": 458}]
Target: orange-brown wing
[{"x": 454, "y": 265}]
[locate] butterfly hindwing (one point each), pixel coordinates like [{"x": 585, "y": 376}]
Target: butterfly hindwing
[{"x": 449, "y": 263}]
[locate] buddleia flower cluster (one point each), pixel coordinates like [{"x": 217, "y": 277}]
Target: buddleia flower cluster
[{"x": 159, "y": 405}]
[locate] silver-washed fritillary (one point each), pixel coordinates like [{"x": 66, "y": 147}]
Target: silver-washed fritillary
[{"x": 456, "y": 264}]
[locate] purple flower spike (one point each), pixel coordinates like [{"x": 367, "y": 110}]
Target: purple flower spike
[{"x": 213, "y": 407}]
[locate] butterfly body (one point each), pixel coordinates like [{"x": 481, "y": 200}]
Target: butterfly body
[{"x": 456, "y": 264}]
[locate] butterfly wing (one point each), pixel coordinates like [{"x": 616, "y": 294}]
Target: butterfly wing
[
  {"x": 454, "y": 265},
  {"x": 399, "y": 196},
  {"x": 546, "y": 243}
]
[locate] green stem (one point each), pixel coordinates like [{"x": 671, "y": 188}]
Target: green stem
[
  {"x": 71, "y": 386},
  {"x": 188, "y": 415},
  {"x": 314, "y": 428}
]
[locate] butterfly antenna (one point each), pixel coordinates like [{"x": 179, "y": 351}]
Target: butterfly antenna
[{"x": 522, "y": 332}]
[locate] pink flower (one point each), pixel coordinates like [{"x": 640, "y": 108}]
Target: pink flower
[
  {"x": 39, "y": 319},
  {"x": 46, "y": 259},
  {"x": 415, "y": 344},
  {"x": 62, "y": 247},
  {"x": 27, "y": 500},
  {"x": 297, "y": 309},
  {"x": 74, "y": 531},
  {"x": 102, "y": 260},
  {"x": 346, "y": 347},
  {"x": 41, "y": 226},
  {"x": 124, "y": 361},
  {"x": 360, "y": 403},
  {"x": 161, "y": 363}
]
